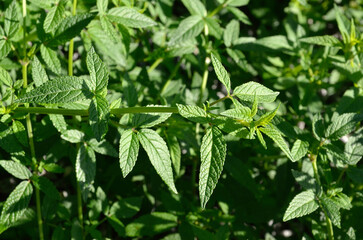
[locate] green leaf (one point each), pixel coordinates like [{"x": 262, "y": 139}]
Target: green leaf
[
  {"x": 237, "y": 3},
  {"x": 98, "y": 71},
  {"x": 110, "y": 30},
  {"x": 231, "y": 33},
  {"x": 221, "y": 73},
  {"x": 189, "y": 28},
  {"x": 266, "y": 118},
  {"x": 5, "y": 47},
  {"x": 46, "y": 186},
  {"x": 342, "y": 125},
  {"x": 305, "y": 180},
  {"x": 16, "y": 204},
  {"x": 318, "y": 127},
  {"x": 103, "y": 147},
  {"x": 213, "y": 154},
  {"x": 147, "y": 120},
  {"x": 58, "y": 122},
  {"x": 278, "y": 139},
  {"x": 303, "y": 204},
  {"x": 99, "y": 113},
  {"x": 159, "y": 156},
  {"x": 336, "y": 152},
  {"x": 343, "y": 24},
  {"x": 193, "y": 113},
  {"x": 60, "y": 90},
  {"x": 326, "y": 40},
  {"x": 152, "y": 224},
  {"x": 247, "y": 92},
  {"x": 214, "y": 27},
  {"x": 53, "y": 168},
  {"x": 50, "y": 58},
  {"x": 11, "y": 22},
  {"x": 20, "y": 132},
  {"x": 38, "y": 72},
  {"x": 16, "y": 169},
  {"x": 73, "y": 136},
  {"x": 85, "y": 168},
  {"x": 240, "y": 112},
  {"x": 343, "y": 201},
  {"x": 129, "y": 17},
  {"x": 129, "y": 149},
  {"x": 239, "y": 15},
  {"x": 126, "y": 207},
  {"x": 260, "y": 138},
  {"x": 54, "y": 17},
  {"x": 175, "y": 152},
  {"x": 354, "y": 148},
  {"x": 117, "y": 225},
  {"x": 299, "y": 149},
  {"x": 5, "y": 77},
  {"x": 331, "y": 209},
  {"x": 195, "y": 7},
  {"x": 102, "y": 6},
  {"x": 69, "y": 28}
]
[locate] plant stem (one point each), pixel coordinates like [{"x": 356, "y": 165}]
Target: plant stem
[
  {"x": 315, "y": 168},
  {"x": 220, "y": 100},
  {"x": 173, "y": 73},
  {"x": 155, "y": 65},
  {"x": 329, "y": 227},
  {"x": 217, "y": 9},
  {"x": 83, "y": 112},
  {"x": 205, "y": 79},
  {"x": 79, "y": 206},
  {"x": 24, "y": 68},
  {"x": 71, "y": 44}
]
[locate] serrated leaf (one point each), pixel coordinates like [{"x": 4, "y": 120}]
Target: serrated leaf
[
  {"x": 103, "y": 147},
  {"x": 69, "y": 28},
  {"x": 175, "y": 152},
  {"x": 102, "y": 6},
  {"x": 195, "y": 7},
  {"x": 5, "y": 47},
  {"x": 20, "y": 132},
  {"x": 65, "y": 89},
  {"x": 129, "y": 150},
  {"x": 239, "y": 15},
  {"x": 5, "y": 77},
  {"x": 38, "y": 72},
  {"x": 11, "y": 21},
  {"x": 147, "y": 120},
  {"x": 193, "y": 113},
  {"x": 354, "y": 148},
  {"x": 343, "y": 24},
  {"x": 108, "y": 27},
  {"x": 247, "y": 92},
  {"x": 51, "y": 59},
  {"x": 299, "y": 149},
  {"x": 214, "y": 28},
  {"x": 342, "y": 125},
  {"x": 240, "y": 112},
  {"x": 336, "y": 152},
  {"x": 98, "y": 71},
  {"x": 331, "y": 209},
  {"x": 231, "y": 33},
  {"x": 58, "y": 122},
  {"x": 54, "y": 17},
  {"x": 343, "y": 201},
  {"x": 188, "y": 28},
  {"x": 221, "y": 73},
  {"x": 73, "y": 136},
  {"x": 16, "y": 204},
  {"x": 305, "y": 180},
  {"x": 16, "y": 169},
  {"x": 46, "y": 186},
  {"x": 278, "y": 139},
  {"x": 302, "y": 204},
  {"x": 326, "y": 40},
  {"x": 260, "y": 138},
  {"x": 99, "y": 113},
  {"x": 213, "y": 154},
  {"x": 237, "y": 3},
  {"x": 318, "y": 127},
  {"x": 129, "y": 17},
  {"x": 85, "y": 168},
  {"x": 266, "y": 118},
  {"x": 159, "y": 156}
]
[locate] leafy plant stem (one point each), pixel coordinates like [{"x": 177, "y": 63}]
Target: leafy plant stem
[
  {"x": 83, "y": 112},
  {"x": 29, "y": 124},
  {"x": 220, "y": 100}
]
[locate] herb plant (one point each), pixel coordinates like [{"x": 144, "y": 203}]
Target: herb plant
[{"x": 185, "y": 119}]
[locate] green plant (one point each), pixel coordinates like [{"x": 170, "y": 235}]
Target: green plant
[{"x": 131, "y": 76}]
